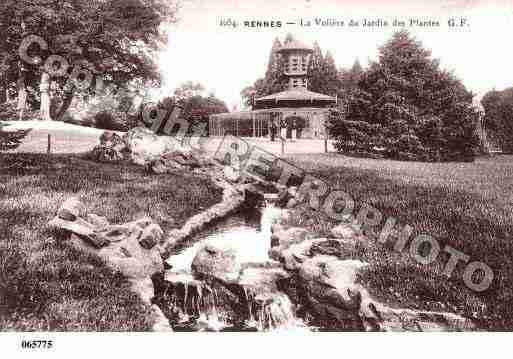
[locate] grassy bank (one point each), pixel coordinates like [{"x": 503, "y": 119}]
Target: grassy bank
[
  {"x": 45, "y": 285},
  {"x": 468, "y": 206}
]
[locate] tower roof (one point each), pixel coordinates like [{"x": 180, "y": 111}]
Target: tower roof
[{"x": 294, "y": 45}]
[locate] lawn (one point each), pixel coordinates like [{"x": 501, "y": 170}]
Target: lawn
[
  {"x": 44, "y": 285},
  {"x": 466, "y": 205}
]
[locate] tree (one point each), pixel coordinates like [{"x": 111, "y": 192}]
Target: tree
[
  {"x": 498, "y": 106},
  {"x": 349, "y": 78},
  {"x": 316, "y": 70},
  {"x": 420, "y": 108},
  {"x": 330, "y": 76},
  {"x": 196, "y": 107},
  {"x": 115, "y": 40},
  {"x": 189, "y": 89}
]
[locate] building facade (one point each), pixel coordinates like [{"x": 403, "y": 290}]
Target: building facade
[{"x": 291, "y": 114}]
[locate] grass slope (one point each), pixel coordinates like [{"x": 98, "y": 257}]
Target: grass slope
[
  {"x": 45, "y": 285},
  {"x": 468, "y": 206}
]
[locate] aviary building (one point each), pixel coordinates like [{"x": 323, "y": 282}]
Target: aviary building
[{"x": 292, "y": 114}]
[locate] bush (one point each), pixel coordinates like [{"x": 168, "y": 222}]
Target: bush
[
  {"x": 107, "y": 121},
  {"x": 86, "y": 121},
  {"x": 10, "y": 140},
  {"x": 8, "y": 111}
]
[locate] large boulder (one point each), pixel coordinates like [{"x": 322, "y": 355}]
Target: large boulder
[
  {"x": 145, "y": 146},
  {"x": 174, "y": 160},
  {"x": 348, "y": 232},
  {"x": 113, "y": 140},
  {"x": 286, "y": 237},
  {"x": 293, "y": 255},
  {"x": 112, "y": 148},
  {"x": 71, "y": 209},
  {"x": 128, "y": 252},
  {"x": 331, "y": 291},
  {"x": 231, "y": 174},
  {"x": 106, "y": 154},
  {"x": 130, "y": 248},
  {"x": 216, "y": 262}
]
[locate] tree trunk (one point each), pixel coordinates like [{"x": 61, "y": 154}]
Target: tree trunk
[
  {"x": 22, "y": 97},
  {"x": 56, "y": 114},
  {"x": 3, "y": 90},
  {"x": 45, "y": 97}
]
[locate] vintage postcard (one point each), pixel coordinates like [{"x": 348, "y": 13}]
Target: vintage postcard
[{"x": 285, "y": 168}]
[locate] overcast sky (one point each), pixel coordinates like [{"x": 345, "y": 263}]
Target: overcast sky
[{"x": 226, "y": 59}]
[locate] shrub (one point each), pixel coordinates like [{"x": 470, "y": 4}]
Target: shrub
[
  {"x": 107, "y": 121},
  {"x": 10, "y": 140}
]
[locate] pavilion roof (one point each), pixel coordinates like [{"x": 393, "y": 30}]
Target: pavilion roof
[{"x": 297, "y": 95}]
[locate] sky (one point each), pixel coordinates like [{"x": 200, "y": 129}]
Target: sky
[{"x": 227, "y": 59}]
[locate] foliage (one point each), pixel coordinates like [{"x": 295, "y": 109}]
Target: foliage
[
  {"x": 424, "y": 113},
  {"x": 498, "y": 106},
  {"x": 10, "y": 140},
  {"x": 115, "y": 40},
  {"x": 109, "y": 121},
  {"x": 196, "y": 108}
]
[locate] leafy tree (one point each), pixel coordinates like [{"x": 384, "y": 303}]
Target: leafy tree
[
  {"x": 189, "y": 89},
  {"x": 422, "y": 110},
  {"x": 114, "y": 39},
  {"x": 330, "y": 76},
  {"x": 316, "y": 70},
  {"x": 498, "y": 106},
  {"x": 196, "y": 108},
  {"x": 349, "y": 78}
]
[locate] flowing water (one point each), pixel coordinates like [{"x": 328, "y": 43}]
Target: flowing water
[{"x": 199, "y": 305}]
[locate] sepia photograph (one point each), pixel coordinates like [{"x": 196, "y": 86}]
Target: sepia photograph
[{"x": 295, "y": 169}]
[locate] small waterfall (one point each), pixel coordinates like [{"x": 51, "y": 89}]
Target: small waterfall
[
  {"x": 254, "y": 303},
  {"x": 271, "y": 312},
  {"x": 195, "y": 304},
  {"x": 270, "y": 215}
]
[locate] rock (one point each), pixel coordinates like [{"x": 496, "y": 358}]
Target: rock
[
  {"x": 113, "y": 233},
  {"x": 123, "y": 252},
  {"x": 271, "y": 197},
  {"x": 111, "y": 139},
  {"x": 283, "y": 198},
  {"x": 294, "y": 255},
  {"x": 143, "y": 286},
  {"x": 160, "y": 322},
  {"x": 293, "y": 191},
  {"x": 174, "y": 160},
  {"x": 105, "y": 154},
  {"x": 184, "y": 158},
  {"x": 330, "y": 288},
  {"x": 231, "y": 174},
  {"x": 328, "y": 247},
  {"x": 277, "y": 227},
  {"x": 97, "y": 221},
  {"x": 71, "y": 209},
  {"x": 216, "y": 262},
  {"x": 257, "y": 280},
  {"x": 292, "y": 203},
  {"x": 344, "y": 231},
  {"x": 78, "y": 226},
  {"x": 285, "y": 238},
  {"x": 151, "y": 236},
  {"x": 145, "y": 146}
]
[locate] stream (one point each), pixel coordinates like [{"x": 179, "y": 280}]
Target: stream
[{"x": 254, "y": 303}]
